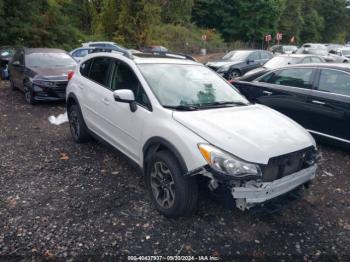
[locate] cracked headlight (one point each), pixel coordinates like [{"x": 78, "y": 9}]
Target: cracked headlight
[{"x": 228, "y": 164}]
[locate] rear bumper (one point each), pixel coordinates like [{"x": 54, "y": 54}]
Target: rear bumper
[{"x": 254, "y": 193}]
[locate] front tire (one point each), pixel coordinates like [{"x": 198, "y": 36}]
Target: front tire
[
  {"x": 173, "y": 193},
  {"x": 234, "y": 73},
  {"x": 28, "y": 95},
  {"x": 12, "y": 85},
  {"x": 78, "y": 128}
]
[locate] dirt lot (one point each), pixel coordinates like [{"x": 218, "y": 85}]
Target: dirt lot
[{"x": 60, "y": 199}]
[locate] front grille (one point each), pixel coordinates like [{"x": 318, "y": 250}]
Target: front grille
[
  {"x": 288, "y": 164},
  {"x": 60, "y": 86}
]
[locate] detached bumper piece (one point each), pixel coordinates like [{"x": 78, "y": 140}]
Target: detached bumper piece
[{"x": 258, "y": 192}]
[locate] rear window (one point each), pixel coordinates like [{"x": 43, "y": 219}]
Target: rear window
[{"x": 49, "y": 60}]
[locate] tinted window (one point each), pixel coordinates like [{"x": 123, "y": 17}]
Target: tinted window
[
  {"x": 49, "y": 60},
  {"x": 316, "y": 60},
  {"x": 297, "y": 77},
  {"x": 81, "y": 53},
  {"x": 124, "y": 78},
  {"x": 85, "y": 68},
  {"x": 306, "y": 60},
  {"x": 19, "y": 56},
  {"x": 99, "y": 70},
  {"x": 255, "y": 56},
  {"x": 98, "y": 45},
  {"x": 335, "y": 82},
  {"x": 265, "y": 55}
]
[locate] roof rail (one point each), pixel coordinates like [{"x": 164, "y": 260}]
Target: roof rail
[
  {"x": 125, "y": 53},
  {"x": 165, "y": 55}
]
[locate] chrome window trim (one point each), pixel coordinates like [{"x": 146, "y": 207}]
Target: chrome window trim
[{"x": 329, "y": 136}]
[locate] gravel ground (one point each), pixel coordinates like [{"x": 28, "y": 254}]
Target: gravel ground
[{"x": 63, "y": 200}]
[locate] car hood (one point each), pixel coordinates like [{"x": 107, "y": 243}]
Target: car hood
[
  {"x": 221, "y": 63},
  {"x": 253, "y": 133},
  {"x": 56, "y": 73}
]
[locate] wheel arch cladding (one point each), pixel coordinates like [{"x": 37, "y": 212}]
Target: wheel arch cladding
[
  {"x": 156, "y": 144},
  {"x": 71, "y": 100}
]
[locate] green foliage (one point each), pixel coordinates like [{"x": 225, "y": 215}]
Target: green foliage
[
  {"x": 177, "y": 24},
  {"x": 185, "y": 38},
  {"x": 247, "y": 20},
  {"x": 136, "y": 22}
]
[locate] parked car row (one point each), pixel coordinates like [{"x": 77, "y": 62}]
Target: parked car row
[
  {"x": 317, "y": 96},
  {"x": 182, "y": 123}
]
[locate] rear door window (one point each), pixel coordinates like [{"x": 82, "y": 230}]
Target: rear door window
[
  {"x": 99, "y": 71},
  {"x": 334, "y": 81},
  {"x": 255, "y": 56},
  {"x": 296, "y": 77}
]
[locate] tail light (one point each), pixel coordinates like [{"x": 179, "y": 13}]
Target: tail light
[{"x": 70, "y": 75}]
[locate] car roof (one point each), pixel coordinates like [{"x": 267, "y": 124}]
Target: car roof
[
  {"x": 144, "y": 59},
  {"x": 340, "y": 66},
  {"x": 43, "y": 50},
  {"x": 296, "y": 55}
]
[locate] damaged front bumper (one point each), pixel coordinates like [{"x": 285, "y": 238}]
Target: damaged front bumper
[{"x": 253, "y": 192}]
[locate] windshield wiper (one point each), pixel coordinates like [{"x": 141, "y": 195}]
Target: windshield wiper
[
  {"x": 183, "y": 107},
  {"x": 223, "y": 103}
]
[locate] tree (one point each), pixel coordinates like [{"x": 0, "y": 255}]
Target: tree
[
  {"x": 291, "y": 20},
  {"x": 136, "y": 21},
  {"x": 247, "y": 20},
  {"x": 176, "y": 11},
  {"x": 335, "y": 18}
]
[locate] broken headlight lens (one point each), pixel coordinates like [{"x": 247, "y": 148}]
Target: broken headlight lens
[{"x": 228, "y": 164}]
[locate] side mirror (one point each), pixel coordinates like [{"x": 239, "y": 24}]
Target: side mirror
[
  {"x": 250, "y": 61},
  {"x": 125, "y": 96}
]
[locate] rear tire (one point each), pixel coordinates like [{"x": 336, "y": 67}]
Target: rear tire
[
  {"x": 173, "y": 193},
  {"x": 78, "y": 128}
]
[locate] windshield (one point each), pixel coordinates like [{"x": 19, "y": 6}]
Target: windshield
[
  {"x": 280, "y": 61},
  {"x": 49, "y": 60},
  {"x": 236, "y": 55},
  {"x": 345, "y": 51},
  {"x": 289, "y": 48},
  {"x": 177, "y": 85},
  {"x": 313, "y": 50},
  {"x": 7, "y": 52}
]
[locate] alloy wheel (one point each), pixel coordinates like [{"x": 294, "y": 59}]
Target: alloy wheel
[
  {"x": 74, "y": 123},
  {"x": 163, "y": 185}
]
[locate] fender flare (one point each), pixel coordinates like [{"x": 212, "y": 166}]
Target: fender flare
[{"x": 153, "y": 144}]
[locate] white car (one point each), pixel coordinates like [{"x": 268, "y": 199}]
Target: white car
[{"x": 179, "y": 120}]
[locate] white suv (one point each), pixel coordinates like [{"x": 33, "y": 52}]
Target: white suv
[{"x": 179, "y": 120}]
